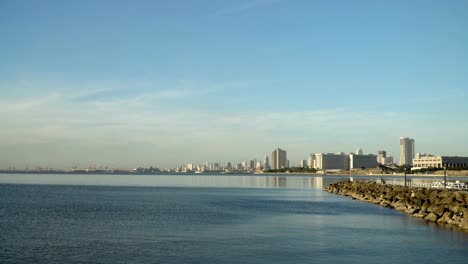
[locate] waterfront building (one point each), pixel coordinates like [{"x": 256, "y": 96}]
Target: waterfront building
[
  {"x": 190, "y": 167},
  {"x": 279, "y": 159},
  {"x": 388, "y": 160},
  {"x": 331, "y": 161},
  {"x": 362, "y": 161},
  {"x": 244, "y": 165},
  {"x": 381, "y": 156},
  {"x": 431, "y": 161},
  {"x": 359, "y": 151},
  {"x": 303, "y": 164},
  {"x": 406, "y": 151},
  {"x": 252, "y": 164},
  {"x": 310, "y": 161},
  {"x": 266, "y": 163},
  {"x": 258, "y": 167}
]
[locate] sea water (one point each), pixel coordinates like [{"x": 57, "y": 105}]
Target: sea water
[{"x": 207, "y": 219}]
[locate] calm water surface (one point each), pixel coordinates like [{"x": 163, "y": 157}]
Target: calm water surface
[{"x": 207, "y": 219}]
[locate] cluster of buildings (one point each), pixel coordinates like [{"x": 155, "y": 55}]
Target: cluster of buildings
[
  {"x": 343, "y": 161},
  {"x": 417, "y": 161},
  {"x": 337, "y": 161},
  {"x": 279, "y": 160}
]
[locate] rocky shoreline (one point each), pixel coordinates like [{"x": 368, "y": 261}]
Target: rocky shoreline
[{"x": 433, "y": 205}]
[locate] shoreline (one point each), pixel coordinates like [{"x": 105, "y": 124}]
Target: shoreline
[{"x": 441, "y": 206}]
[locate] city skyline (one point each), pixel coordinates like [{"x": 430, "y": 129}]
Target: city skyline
[{"x": 163, "y": 83}]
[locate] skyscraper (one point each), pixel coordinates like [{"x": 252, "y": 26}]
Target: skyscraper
[
  {"x": 359, "y": 151},
  {"x": 266, "y": 163},
  {"x": 279, "y": 159},
  {"x": 406, "y": 151}
]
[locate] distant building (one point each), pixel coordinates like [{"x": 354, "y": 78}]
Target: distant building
[
  {"x": 406, "y": 151},
  {"x": 331, "y": 161},
  {"x": 388, "y": 160},
  {"x": 362, "y": 161},
  {"x": 431, "y": 161},
  {"x": 190, "y": 167},
  {"x": 252, "y": 164},
  {"x": 266, "y": 163},
  {"x": 359, "y": 151},
  {"x": 279, "y": 159},
  {"x": 258, "y": 166},
  {"x": 311, "y": 160},
  {"x": 381, "y": 156},
  {"x": 303, "y": 164}
]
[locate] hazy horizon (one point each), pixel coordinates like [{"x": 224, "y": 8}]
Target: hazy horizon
[{"x": 162, "y": 83}]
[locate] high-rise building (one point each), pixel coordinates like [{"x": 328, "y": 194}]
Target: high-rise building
[
  {"x": 252, "y": 164},
  {"x": 266, "y": 163},
  {"x": 303, "y": 164},
  {"x": 359, "y": 151},
  {"x": 310, "y": 161},
  {"x": 406, "y": 151},
  {"x": 244, "y": 165},
  {"x": 279, "y": 159}
]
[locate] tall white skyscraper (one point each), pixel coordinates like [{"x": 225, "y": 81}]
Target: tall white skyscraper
[
  {"x": 406, "y": 151},
  {"x": 279, "y": 159}
]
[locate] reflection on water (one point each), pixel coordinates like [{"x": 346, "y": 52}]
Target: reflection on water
[
  {"x": 233, "y": 181},
  {"x": 221, "y": 180}
]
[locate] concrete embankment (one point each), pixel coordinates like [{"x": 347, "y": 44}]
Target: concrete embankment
[{"x": 434, "y": 205}]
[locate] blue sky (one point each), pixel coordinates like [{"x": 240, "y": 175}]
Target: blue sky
[{"x": 162, "y": 83}]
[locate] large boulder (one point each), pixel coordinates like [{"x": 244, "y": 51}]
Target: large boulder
[
  {"x": 454, "y": 207},
  {"x": 459, "y": 197},
  {"x": 419, "y": 215},
  {"x": 425, "y": 206},
  {"x": 433, "y": 196},
  {"x": 431, "y": 217},
  {"x": 464, "y": 224},
  {"x": 439, "y": 210}
]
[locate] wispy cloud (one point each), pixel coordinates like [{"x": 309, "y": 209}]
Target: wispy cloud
[{"x": 242, "y": 7}]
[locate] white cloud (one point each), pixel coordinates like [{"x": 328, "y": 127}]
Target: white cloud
[{"x": 242, "y": 7}]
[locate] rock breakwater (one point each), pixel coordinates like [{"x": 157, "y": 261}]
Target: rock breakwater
[{"x": 434, "y": 205}]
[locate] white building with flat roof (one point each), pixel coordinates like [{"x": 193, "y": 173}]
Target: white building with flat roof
[
  {"x": 431, "y": 161},
  {"x": 331, "y": 161}
]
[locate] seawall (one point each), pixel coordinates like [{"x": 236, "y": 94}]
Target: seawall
[{"x": 434, "y": 205}]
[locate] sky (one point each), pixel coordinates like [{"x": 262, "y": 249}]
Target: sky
[{"x": 164, "y": 83}]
